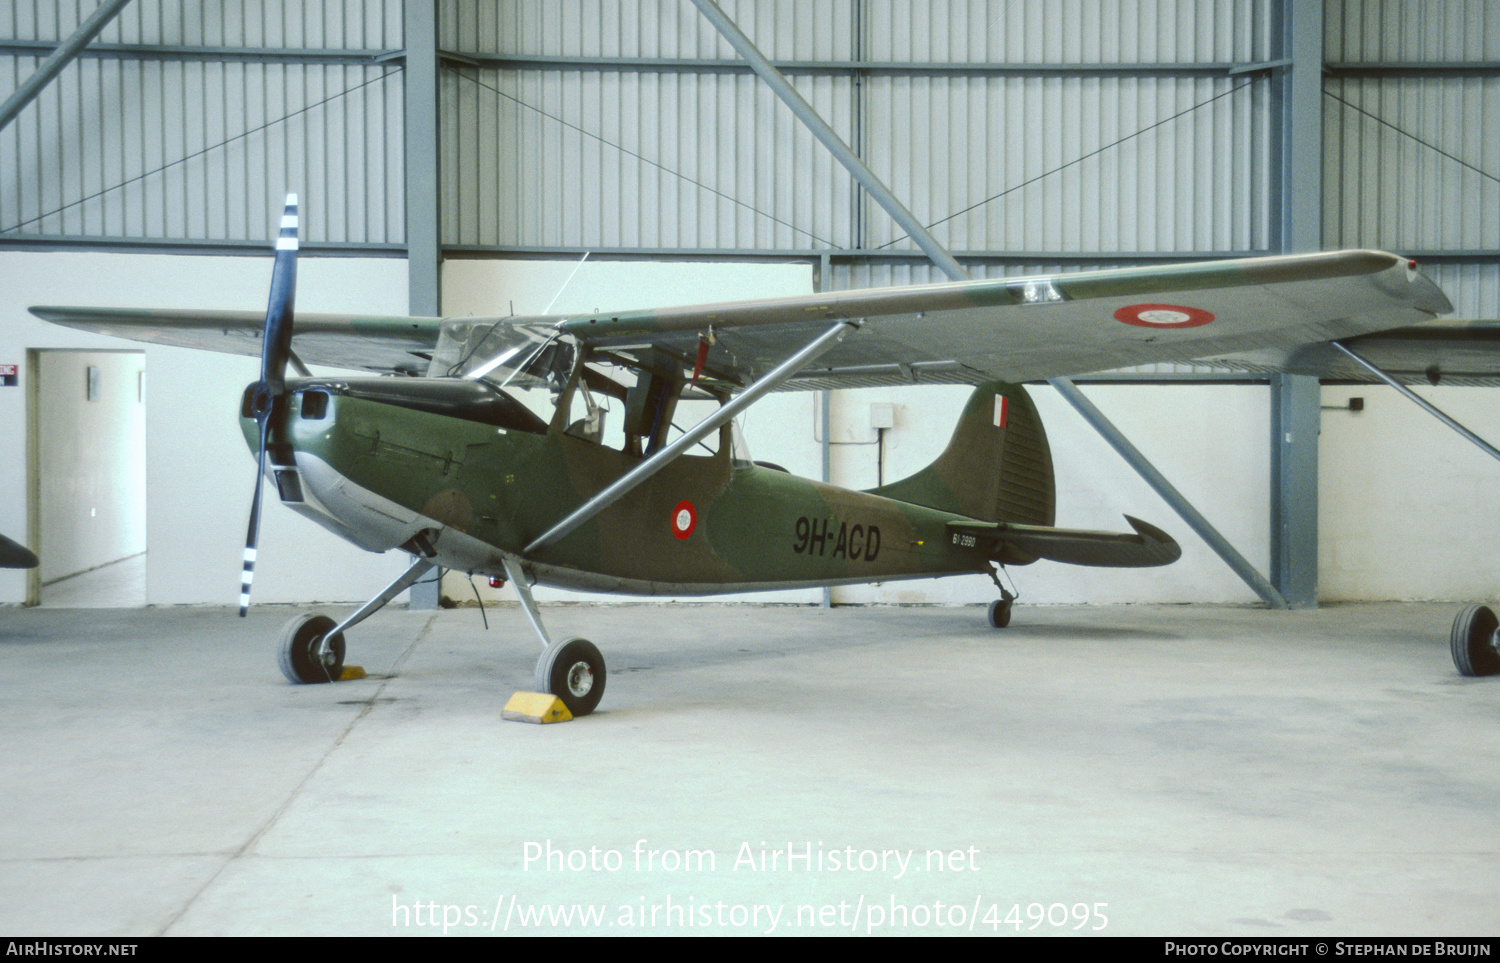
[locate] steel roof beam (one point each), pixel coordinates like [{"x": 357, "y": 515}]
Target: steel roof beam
[
  {"x": 60, "y": 58},
  {"x": 496, "y": 61},
  {"x": 211, "y": 54}
]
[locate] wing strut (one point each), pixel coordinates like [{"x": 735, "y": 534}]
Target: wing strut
[
  {"x": 655, "y": 463},
  {"x": 1426, "y": 405}
]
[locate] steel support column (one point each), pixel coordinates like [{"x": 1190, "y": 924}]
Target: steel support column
[
  {"x": 1297, "y": 190},
  {"x": 825, "y": 399},
  {"x": 423, "y": 253},
  {"x": 940, "y": 256},
  {"x": 1295, "y": 419},
  {"x": 59, "y": 59}
]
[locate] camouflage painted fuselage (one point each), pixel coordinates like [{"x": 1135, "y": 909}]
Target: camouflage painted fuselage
[{"x": 381, "y": 475}]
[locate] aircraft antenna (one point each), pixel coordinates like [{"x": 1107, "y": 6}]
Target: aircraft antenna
[
  {"x": 565, "y": 284},
  {"x": 506, "y": 355}
]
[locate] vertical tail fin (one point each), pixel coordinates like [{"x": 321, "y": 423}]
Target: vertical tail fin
[{"x": 997, "y": 466}]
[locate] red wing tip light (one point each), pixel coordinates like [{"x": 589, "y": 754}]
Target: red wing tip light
[{"x": 1163, "y": 316}]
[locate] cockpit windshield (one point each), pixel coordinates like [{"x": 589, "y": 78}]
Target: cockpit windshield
[{"x": 505, "y": 352}]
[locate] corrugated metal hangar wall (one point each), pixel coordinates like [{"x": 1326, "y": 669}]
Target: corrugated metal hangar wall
[
  {"x": 1031, "y": 135},
  {"x": 1028, "y": 133},
  {"x": 954, "y": 105}
]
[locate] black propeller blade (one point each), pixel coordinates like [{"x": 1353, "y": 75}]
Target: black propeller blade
[{"x": 263, "y": 395}]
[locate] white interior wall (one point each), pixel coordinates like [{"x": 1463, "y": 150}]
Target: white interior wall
[
  {"x": 1211, "y": 441},
  {"x": 91, "y": 460},
  {"x": 200, "y": 475},
  {"x": 1407, "y": 507}
]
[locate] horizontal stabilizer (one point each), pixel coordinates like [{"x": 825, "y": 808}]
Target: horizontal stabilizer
[
  {"x": 1012, "y": 543},
  {"x": 14, "y": 555}
]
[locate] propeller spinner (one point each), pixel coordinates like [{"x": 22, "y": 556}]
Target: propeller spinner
[{"x": 264, "y": 394}]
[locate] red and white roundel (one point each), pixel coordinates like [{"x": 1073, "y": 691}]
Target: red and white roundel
[
  {"x": 1163, "y": 316},
  {"x": 684, "y": 519}
]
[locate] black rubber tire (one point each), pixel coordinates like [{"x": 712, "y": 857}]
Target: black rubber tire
[
  {"x": 573, "y": 670},
  {"x": 297, "y": 650},
  {"x": 1000, "y": 613},
  {"x": 1471, "y": 641}
]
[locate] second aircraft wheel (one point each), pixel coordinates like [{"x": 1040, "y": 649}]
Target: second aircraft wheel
[
  {"x": 572, "y": 670},
  {"x": 1000, "y": 613},
  {"x": 297, "y": 650},
  {"x": 1473, "y": 641}
]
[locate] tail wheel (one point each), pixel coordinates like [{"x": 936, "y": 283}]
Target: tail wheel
[
  {"x": 573, "y": 670},
  {"x": 999, "y": 611},
  {"x": 297, "y": 650},
  {"x": 1473, "y": 641}
]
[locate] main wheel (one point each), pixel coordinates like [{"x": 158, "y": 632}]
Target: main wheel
[
  {"x": 297, "y": 650},
  {"x": 1473, "y": 641},
  {"x": 572, "y": 670},
  {"x": 1000, "y": 613}
]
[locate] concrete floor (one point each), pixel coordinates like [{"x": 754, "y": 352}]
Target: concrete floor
[{"x": 1157, "y": 770}]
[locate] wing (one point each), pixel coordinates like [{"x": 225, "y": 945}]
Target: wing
[
  {"x": 1012, "y": 330},
  {"x": 374, "y": 343},
  {"x": 1259, "y": 311}
]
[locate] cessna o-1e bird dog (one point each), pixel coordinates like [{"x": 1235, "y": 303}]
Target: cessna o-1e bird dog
[{"x": 449, "y": 467}]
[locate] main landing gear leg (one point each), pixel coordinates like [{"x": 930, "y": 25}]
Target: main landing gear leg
[
  {"x": 999, "y": 611},
  {"x": 312, "y": 646},
  {"x": 571, "y": 669}
]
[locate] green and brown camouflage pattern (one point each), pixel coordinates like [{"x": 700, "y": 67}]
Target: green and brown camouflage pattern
[
  {"x": 492, "y": 490},
  {"x": 989, "y": 472}
]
